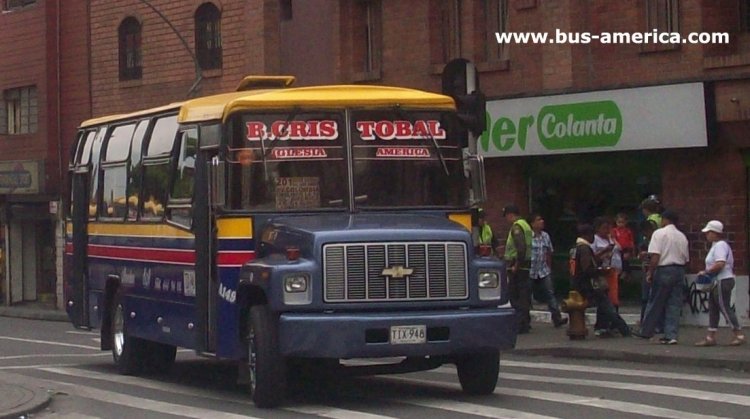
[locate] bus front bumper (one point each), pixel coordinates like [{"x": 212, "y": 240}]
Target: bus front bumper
[{"x": 361, "y": 335}]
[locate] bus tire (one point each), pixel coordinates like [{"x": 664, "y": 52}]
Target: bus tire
[
  {"x": 159, "y": 357},
  {"x": 127, "y": 351},
  {"x": 478, "y": 372},
  {"x": 266, "y": 365}
]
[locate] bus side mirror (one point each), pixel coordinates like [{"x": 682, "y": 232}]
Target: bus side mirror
[
  {"x": 217, "y": 173},
  {"x": 475, "y": 163}
]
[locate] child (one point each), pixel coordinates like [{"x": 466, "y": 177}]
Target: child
[{"x": 623, "y": 236}]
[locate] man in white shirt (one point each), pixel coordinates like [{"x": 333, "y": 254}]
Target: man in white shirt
[{"x": 668, "y": 257}]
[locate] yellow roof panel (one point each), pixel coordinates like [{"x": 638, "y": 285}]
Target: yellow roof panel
[
  {"x": 335, "y": 96},
  {"x": 137, "y": 114}
]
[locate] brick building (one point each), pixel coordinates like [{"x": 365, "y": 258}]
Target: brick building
[
  {"x": 681, "y": 109},
  {"x": 44, "y": 90}
]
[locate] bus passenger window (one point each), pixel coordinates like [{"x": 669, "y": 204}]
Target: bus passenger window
[
  {"x": 134, "y": 172},
  {"x": 115, "y": 172},
  {"x": 155, "y": 182},
  {"x": 180, "y": 210}
]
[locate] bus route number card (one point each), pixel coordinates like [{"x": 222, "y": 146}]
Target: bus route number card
[
  {"x": 408, "y": 334},
  {"x": 297, "y": 193}
]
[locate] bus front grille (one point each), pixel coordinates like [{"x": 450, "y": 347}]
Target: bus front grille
[{"x": 399, "y": 271}]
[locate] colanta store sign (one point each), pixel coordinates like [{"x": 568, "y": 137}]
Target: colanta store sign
[{"x": 613, "y": 120}]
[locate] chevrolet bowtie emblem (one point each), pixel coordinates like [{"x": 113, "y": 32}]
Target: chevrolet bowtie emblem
[{"x": 397, "y": 271}]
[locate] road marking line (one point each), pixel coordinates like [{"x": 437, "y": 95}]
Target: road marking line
[
  {"x": 608, "y": 404},
  {"x": 334, "y": 413},
  {"x": 34, "y": 367},
  {"x": 76, "y": 332},
  {"x": 324, "y": 411},
  {"x": 54, "y": 356},
  {"x": 647, "y": 388},
  {"x": 631, "y": 373},
  {"x": 471, "y": 408},
  {"x": 46, "y": 342}
]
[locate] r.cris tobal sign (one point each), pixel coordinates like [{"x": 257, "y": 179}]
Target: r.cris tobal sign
[{"x": 326, "y": 130}]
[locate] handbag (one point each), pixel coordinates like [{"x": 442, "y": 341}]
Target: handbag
[{"x": 705, "y": 282}]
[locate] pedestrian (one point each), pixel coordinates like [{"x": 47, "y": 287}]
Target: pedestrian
[
  {"x": 651, "y": 208},
  {"x": 486, "y": 235},
  {"x": 541, "y": 268},
  {"x": 518, "y": 259},
  {"x": 668, "y": 256},
  {"x": 720, "y": 264},
  {"x": 587, "y": 281},
  {"x": 623, "y": 237},
  {"x": 647, "y": 228},
  {"x": 607, "y": 253}
]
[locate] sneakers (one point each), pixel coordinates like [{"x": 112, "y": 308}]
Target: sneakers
[
  {"x": 738, "y": 340},
  {"x": 667, "y": 341},
  {"x": 559, "y": 321},
  {"x": 602, "y": 333}
]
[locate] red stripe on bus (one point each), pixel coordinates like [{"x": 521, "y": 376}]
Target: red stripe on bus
[
  {"x": 239, "y": 258},
  {"x": 180, "y": 256}
]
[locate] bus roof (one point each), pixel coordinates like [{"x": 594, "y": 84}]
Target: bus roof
[{"x": 218, "y": 107}]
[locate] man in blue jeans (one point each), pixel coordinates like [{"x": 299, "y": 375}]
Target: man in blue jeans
[{"x": 668, "y": 257}]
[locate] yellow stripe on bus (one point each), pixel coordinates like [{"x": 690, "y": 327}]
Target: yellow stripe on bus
[
  {"x": 235, "y": 228},
  {"x": 133, "y": 229}
]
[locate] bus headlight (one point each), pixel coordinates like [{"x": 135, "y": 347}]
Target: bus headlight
[
  {"x": 489, "y": 279},
  {"x": 296, "y": 283}
]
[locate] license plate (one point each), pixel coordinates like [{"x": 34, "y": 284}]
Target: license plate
[{"x": 408, "y": 334}]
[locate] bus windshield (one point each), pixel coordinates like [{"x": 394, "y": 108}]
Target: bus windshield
[
  {"x": 407, "y": 159},
  {"x": 288, "y": 161}
]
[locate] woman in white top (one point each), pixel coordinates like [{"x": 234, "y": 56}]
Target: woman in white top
[{"x": 720, "y": 262}]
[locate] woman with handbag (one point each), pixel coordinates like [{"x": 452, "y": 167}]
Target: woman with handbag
[
  {"x": 720, "y": 263},
  {"x": 590, "y": 281}
]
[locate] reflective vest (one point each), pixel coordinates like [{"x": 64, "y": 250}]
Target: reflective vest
[
  {"x": 656, "y": 218},
  {"x": 485, "y": 234},
  {"x": 510, "y": 247}
]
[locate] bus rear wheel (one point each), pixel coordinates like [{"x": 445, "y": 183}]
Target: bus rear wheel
[
  {"x": 266, "y": 365},
  {"x": 127, "y": 351},
  {"x": 159, "y": 357},
  {"x": 478, "y": 372}
]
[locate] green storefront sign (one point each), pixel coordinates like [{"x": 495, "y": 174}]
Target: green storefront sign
[{"x": 559, "y": 127}]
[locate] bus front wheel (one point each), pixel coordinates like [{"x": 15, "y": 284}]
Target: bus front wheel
[
  {"x": 478, "y": 372},
  {"x": 126, "y": 350},
  {"x": 266, "y": 365}
]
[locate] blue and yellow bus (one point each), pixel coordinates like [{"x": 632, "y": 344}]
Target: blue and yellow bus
[{"x": 275, "y": 225}]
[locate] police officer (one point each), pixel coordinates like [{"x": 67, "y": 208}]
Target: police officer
[{"x": 518, "y": 258}]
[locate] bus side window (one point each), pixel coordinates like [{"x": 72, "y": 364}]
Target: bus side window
[
  {"x": 115, "y": 172},
  {"x": 180, "y": 203},
  {"x": 93, "y": 158},
  {"x": 156, "y": 168},
  {"x": 135, "y": 172}
]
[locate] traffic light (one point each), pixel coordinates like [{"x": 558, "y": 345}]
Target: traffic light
[{"x": 472, "y": 111}]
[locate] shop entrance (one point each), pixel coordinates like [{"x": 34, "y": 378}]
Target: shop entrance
[{"x": 571, "y": 189}]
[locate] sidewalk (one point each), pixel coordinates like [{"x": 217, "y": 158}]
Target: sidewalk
[
  {"x": 17, "y": 399},
  {"x": 545, "y": 340}
]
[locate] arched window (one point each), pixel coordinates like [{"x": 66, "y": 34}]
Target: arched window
[
  {"x": 130, "y": 49},
  {"x": 208, "y": 36}
]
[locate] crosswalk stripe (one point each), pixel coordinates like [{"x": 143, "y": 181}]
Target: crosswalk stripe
[
  {"x": 614, "y": 405},
  {"x": 647, "y": 388},
  {"x": 47, "y": 342},
  {"x": 334, "y": 413},
  {"x": 148, "y": 404},
  {"x": 323, "y": 411},
  {"x": 472, "y": 409},
  {"x": 4, "y": 358},
  {"x": 626, "y": 372}
]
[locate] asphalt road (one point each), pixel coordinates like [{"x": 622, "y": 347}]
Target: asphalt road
[{"x": 84, "y": 384}]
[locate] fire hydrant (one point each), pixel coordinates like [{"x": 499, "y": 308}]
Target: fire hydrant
[{"x": 575, "y": 305}]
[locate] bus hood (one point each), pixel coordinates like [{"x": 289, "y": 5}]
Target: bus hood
[{"x": 310, "y": 232}]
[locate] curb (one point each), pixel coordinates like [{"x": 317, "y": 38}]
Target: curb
[
  {"x": 540, "y": 316},
  {"x": 38, "y": 401},
  {"x": 21, "y": 313},
  {"x": 615, "y": 355}
]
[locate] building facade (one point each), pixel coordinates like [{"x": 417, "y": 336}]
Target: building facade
[{"x": 45, "y": 94}]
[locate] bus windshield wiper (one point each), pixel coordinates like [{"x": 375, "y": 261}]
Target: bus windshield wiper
[
  {"x": 430, "y": 137},
  {"x": 264, "y": 152}
]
